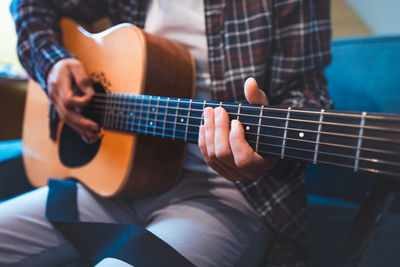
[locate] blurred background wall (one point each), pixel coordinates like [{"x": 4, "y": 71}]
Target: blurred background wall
[
  {"x": 8, "y": 38},
  {"x": 381, "y": 16}
]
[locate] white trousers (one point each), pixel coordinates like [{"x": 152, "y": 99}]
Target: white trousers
[{"x": 204, "y": 217}]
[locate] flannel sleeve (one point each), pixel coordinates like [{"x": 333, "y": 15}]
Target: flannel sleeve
[
  {"x": 301, "y": 51},
  {"x": 37, "y": 25}
]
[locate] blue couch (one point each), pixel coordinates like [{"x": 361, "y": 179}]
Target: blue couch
[{"x": 364, "y": 76}]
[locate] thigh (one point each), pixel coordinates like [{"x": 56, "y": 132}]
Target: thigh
[
  {"x": 217, "y": 236},
  {"x": 209, "y": 222},
  {"x": 28, "y": 239}
]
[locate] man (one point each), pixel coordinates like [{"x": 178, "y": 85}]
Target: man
[{"x": 284, "y": 45}]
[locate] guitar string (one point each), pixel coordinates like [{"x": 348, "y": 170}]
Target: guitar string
[
  {"x": 276, "y": 127},
  {"x": 348, "y": 166},
  {"x": 182, "y": 100},
  {"x": 365, "y": 137},
  {"x": 299, "y": 140},
  {"x": 373, "y": 160},
  {"x": 267, "y": 117},
  {"x": 127, "y": 118}
]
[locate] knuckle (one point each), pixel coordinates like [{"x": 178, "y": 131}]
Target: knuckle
[
  {"x": 242, "y": 163},
  {"x": 202, "y": 146},
  {"x": 68, "y": 103},
  {"x": 67, "y": 116},
  {"x": 223, "y": 154},
  {"x": 83, "y": 82},
  {"x": 212, "y": 156}
]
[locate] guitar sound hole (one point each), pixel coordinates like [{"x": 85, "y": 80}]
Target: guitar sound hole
[{"x": 73, "y": 151}]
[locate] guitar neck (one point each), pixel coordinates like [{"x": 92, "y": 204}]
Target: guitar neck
[{"x": 351, "y": 140}]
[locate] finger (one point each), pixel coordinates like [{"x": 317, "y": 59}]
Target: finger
[
  {"x": 60, "y": 79},
  {"x": 223, "y": 150},
  {"x": 244, "y": 156},
  {"x": 81, "y": 78},
  {"x": 222, "y": 169},
  {"x": 209, "y": 131},
  {"x": 75, "y": 120},
  {"x": 202, "y": 142},
  {"x": 253, "y": 94}
]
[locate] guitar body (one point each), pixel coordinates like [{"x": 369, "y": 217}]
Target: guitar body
[{"x": 122, "y": 59}]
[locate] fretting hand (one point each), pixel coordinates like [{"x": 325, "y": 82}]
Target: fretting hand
[{"x": 224, "y": 146}]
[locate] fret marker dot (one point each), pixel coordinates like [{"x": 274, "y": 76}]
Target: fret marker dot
[
  {"x": 151, "y": 123},
  {"x": 247, "y": 128},
  {"x": 131, "y": 114},
  {"x": 182, "y": 120},
  {"x": 301, "y": 134},
  {"x": 153, "y": 109}
]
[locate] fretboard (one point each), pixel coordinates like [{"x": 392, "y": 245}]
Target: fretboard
[{"x": 361, "y": 142}]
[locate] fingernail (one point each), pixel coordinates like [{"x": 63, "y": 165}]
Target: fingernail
[
  {"x": 217, "y": 112},
  {"x": 207, "y": 112},
  {"x": 234, "y": 124},
  {"x": 89, "y": 90},
  {"x": 94, "y": 127}
]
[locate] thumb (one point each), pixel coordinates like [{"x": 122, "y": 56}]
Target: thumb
[{"x": 253, "y": 94}]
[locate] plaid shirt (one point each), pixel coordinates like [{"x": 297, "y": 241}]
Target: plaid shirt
[{"x": 284, "y": 44}]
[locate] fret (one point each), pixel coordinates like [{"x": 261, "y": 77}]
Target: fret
[
  {"x": 156, "y": 116},
  {"x": 381, "y": 149},
  {"x": 202, "y": 116},
  {"x": 360, "y": 134},
  {"x": 114, "y": 112},
  {"x": 195, "y": 120},
  {"x": 165, "y": 117},
  {"x": 126, "y": 113},
  {"x": 318, "y": 136},
  {"x": 110, "y": 111},
  {"x": 301, "y": 134},
  {"x": 285, "y": 133},
  {"x": 249, "y": 118},
  {"x": 187, "y": 120},
  {"x": 152, "y": 115},
  {"x": 140, "y": 117},
  {"x": 107, "y": 112},
  {"x": 147, "y": 106},
  {"x": 121, "y": 113},
  {"x": 232, "y": 110},
  {"x": 238, "y": 113},
  {"x": 176, "y": 119},
  {"x": 338, "y": 139},
  {"x": 120, "y": 121},
  {"x": 135, "y": 105},
  {"x": 259, "y": 127},
  {"x": 171, "y": 118},
  {"x": 181, "y": 119},
  {"x": 272, "y": 130},
  {"x": 129, "y": 126}
]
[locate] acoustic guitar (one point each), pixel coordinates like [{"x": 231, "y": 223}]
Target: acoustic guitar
[{"x": 143, "y": 102}]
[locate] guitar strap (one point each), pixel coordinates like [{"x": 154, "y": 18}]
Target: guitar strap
[
  {"x": 373, "y": 210},
  {"x": 96, "y": 241}
]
